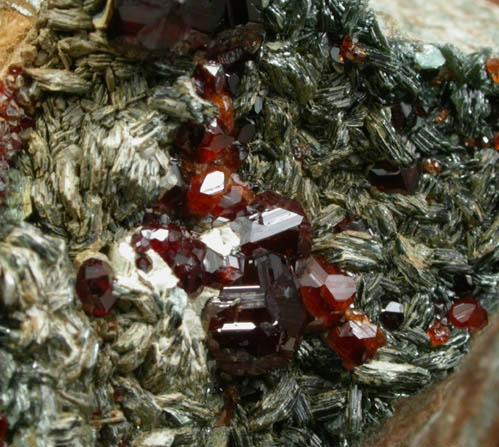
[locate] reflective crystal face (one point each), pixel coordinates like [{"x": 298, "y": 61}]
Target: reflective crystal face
[
  {"x": 392, "y": 316},
  {"x": 94, "y": 287},
  {"x": 439, "y": 333},
  {"x": 274, "y": 224},
  {"x": 403, "y": 181},
  {"x": 256, "y": 323},
  {"x": 217, "y": 192},
  {"x": 326, "y": 291},
  {"x": 468, "y": 314},
  {"x": 178, "y": 248},
  {"x": 356, "y": 341}
]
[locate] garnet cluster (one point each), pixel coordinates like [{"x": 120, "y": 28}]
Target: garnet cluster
[
  {"x": 15, "y": 120},
  {"x": 272, "y": 288}
]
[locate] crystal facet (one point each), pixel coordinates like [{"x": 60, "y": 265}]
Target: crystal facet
[
  {"x": 356, "y": 341},
  {"x": 392, "y": 316},
  {"x": 256, "y": 323},
  {"x": 94, "y": 287},
  {"x": 326, "y": 291},
  {"x": 274, "y": 224},
  {"x": 468, "y": 314},
  {"x": 179, "y": 249},
  {"x": 439, "y": 333},
  {"x": 403, "y": 181}
]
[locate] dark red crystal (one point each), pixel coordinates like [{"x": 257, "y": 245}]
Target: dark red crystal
[
  {"x": 236, "y": 44},
  {"x": 179, "y": 249},
  {"x": 206, "y": 190},
  {"x": 94, "y": 287},
  {"x": 351, "y": 51},
  {"x": 274, "y": 224},
  {"x": 174, "y": 25},
  {"x": 4, "y": 426},
  {"x": 218, "y": 193},
  {"x": 402, "y": 181},
  {"x": 256, "y": 323},
  {"x": 326, "y": 291},
  {"x": 356, "y": 341},
  {"x": 467, "y": 313},
  {"x": 392, "y": 316},
  {"x": 492, "y": 66},
  {"x": 439, "y": 333}
]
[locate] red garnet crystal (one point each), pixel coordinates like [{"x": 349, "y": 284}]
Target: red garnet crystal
[
  {"x": 4, "y": 426},
  {"x": 274, "y": 224},
  {"x": 178, "y": 25},
  {"x": 392, "y": 316},
  {"x": 356, "y": 341},
  {"x": 403, "y": 181},
  {"x": 439, "y": 333},
  {"x": 94, "y": 287},
  {"x": 256, "y": 323},
  {"x": 432, "y": 166},
  {"x": 492, "y": 66},
  {"x": 326, "y": 291},
  {"x": 217, "y": 192},
  {"x": 179, "y": 249},
  {"x": 468, "y": 314},
  {"x": 351, "y": 52}
]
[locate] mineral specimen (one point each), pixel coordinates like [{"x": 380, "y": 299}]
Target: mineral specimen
[{"x": 207, "y": 177}]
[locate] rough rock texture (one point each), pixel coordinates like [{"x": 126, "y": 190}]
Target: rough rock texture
[
  {"x": 462, "y": 411},
  {"x": 18, "y": 26},
  {"x": 442, "y": 21}
]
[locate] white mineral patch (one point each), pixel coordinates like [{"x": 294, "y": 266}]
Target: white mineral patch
[
  {"x": 468, "y": 24},
  {"x": 122, "y": 257},
  {"x": 157, "y": 438},
  {"x": 221, "y": 239}
]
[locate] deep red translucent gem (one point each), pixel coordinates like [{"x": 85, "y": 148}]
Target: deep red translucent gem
[
  {"x": 179, "y": 249},
  {"x": 94, "y": 287},
  {"x": 468, "y": 314},
  {"x": 274, "y": 224},
  {"x": 403, "y": 181},
  {"x": 439, "y": 333},
  {"x": 496, "y": 141},
  {"x": 256, "y": 323},
  {"x": 209, "y": 79},
  {"x": 206, "y": 190},
  {"x": 325, "y": 290},
  {"x": 356, "y": 341},
  {"x": 351, "y": 51},
  {"x": 392, "y": 316},
  {"x": 4, "y": 426},
  {"x": 217, "y": 192}
]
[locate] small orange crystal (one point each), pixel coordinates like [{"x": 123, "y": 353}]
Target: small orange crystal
[{"x": 492, "y": 66}]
